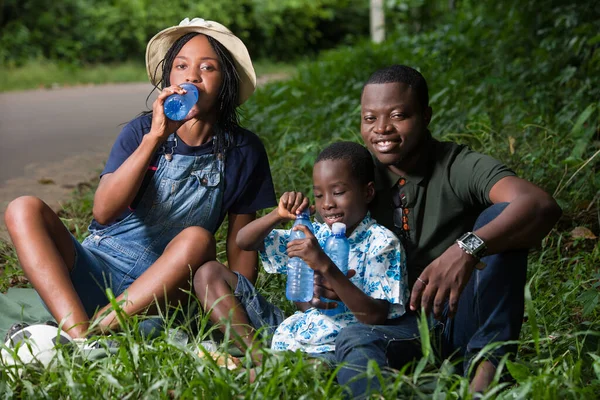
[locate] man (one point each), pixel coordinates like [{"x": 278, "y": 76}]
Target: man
[{"x": 465, "y": 220}]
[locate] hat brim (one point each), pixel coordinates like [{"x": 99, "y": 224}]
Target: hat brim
[{"x": 161, "y": 42}]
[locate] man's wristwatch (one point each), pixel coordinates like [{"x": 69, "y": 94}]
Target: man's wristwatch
[{"x": 472, "y": 244}]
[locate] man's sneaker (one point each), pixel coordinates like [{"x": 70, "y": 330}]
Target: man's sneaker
[
  {"x": 178, "y": 336},
  {"x": 97, "y": 348}
]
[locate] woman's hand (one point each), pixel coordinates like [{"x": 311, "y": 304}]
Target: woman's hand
[
  {"x": 292, "y": 203},
  {"x": 162, "y": 126}
]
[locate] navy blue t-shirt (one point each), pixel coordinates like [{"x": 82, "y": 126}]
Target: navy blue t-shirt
[{"x": 248, "y": 182}]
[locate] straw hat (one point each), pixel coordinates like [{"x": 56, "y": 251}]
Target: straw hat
[{"x": 161, "y": 42}]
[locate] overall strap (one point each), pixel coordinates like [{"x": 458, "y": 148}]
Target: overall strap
[{"x": 167, "y": 149}]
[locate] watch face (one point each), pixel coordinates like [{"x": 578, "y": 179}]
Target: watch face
[{"x": 473, "y": 241}]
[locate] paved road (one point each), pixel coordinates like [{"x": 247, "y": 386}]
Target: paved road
[{"x": 53, "y": 139}]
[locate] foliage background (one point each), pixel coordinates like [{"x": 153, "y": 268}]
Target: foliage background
[
  {"x": 518, "y": 80},
  {"x": 99, "y": 31},
  {"x": 523, "y": 88}
]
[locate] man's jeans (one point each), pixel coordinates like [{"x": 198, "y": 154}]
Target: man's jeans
[{"x": 490, "y": 309}]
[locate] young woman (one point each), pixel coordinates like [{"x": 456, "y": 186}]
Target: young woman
[{"x": 165, "y": 189}]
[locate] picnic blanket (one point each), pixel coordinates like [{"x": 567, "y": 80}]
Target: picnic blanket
[{"x": 21, "y": 305}]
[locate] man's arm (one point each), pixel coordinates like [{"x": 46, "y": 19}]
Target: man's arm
[
  {"x": 527, "y": 219},
  {"x": 530, "y": 215}
]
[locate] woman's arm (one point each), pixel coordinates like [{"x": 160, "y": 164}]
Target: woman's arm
[
  {"x": 240, "y": 260},
  {"x": 117, "y": 190}
]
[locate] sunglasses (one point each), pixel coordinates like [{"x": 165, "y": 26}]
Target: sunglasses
[{"x": 401, "y": 211}]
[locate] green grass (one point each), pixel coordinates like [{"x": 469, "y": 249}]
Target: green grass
[
  {"x": 520, "y": 109},
  {"x": 44, "y": 74},
  {"x": 266, "y": 67}
]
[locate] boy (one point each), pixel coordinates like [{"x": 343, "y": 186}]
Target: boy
[{"x": 343, "y": 187}]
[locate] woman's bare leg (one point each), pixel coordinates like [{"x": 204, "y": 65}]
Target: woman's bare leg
[
  {"x": 170, "y": 274},
  {"x": 46, "y": 254},
  {"x": 214, "y": 285}
]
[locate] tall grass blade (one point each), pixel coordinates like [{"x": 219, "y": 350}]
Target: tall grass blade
[
  {"x": 581, "y": 135},
  {"x": 532, "y": 319}
]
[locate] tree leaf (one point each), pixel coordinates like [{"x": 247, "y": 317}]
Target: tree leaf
[
  {"x": 589, "y": 300},
  {"x": 582, "y": 136}
]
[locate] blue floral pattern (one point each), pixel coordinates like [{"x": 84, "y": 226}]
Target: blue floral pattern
[{"x": 380, "y": 263}]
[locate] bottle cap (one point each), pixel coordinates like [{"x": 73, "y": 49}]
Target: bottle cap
[
  {"x": 304, "y": 214},
  {"x": 338, "y": 228}
]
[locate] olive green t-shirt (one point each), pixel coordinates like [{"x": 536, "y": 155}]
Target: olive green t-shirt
[{"x": 439, "y": 203}]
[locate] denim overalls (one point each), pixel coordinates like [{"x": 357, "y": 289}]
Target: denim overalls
[{"x": 185, "y": 191}]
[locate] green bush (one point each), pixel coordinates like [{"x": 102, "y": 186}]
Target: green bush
[
  {"x": 86, "y": 31},
  {"x": 523, "y": 89},
  {"x": 503, "y": 78}
]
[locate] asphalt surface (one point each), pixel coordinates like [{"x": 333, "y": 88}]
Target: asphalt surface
[{"x": 51, "y": 140}]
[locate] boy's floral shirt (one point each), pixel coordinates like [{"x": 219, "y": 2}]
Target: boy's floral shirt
[{"x": 380, "y": 263}]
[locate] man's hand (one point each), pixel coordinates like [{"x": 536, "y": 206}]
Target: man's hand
[
  {"x": 444, "y": 278},
  {"x": 309, "y": 250}
]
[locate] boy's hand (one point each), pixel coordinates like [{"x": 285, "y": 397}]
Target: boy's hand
[
  {"x": 291, "y": 203},
  {"x": 322, "y": 288},
  {"x": 316, "y": 302},
  {"x": 309, "y": 250}
]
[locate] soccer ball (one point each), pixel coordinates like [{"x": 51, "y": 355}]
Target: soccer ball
[{"x": 34, "y": 344}]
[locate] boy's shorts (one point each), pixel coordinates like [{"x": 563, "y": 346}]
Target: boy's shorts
[{"x": 262, "y": 314}]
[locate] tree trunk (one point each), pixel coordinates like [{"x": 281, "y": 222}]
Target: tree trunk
[{"x": 377, "y": 21}]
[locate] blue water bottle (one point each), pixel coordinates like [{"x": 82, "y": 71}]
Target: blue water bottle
[
  {"x": 299, "y": 275},
  {"x": 337, "y": 249},
  {"x": 177, "y": 106}
]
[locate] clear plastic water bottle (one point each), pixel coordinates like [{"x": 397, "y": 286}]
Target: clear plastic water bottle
[
  {"x": 299, "y": 275},
  {"x": 337, "y": 249},
  {"x": 177, "y": 106}
]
